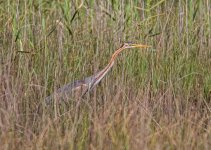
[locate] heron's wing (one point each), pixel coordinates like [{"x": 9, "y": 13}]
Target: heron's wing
[{"x": 70, "y": 91}]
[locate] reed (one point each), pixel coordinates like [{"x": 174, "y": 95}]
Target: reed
[{"x": 152, "y": 99}]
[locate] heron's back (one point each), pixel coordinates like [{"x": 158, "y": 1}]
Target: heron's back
[{"x": 69, "y": 91}]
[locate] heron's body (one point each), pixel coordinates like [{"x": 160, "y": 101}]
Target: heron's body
[
  {"x": 70, "y": 90},
  {"x": 75, "y": 89},
  {"x": 79, "y": 88}
]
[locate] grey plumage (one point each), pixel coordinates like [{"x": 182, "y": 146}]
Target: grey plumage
[{"x": 67, "y": 91}]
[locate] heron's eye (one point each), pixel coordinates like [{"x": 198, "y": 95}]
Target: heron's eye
[{"x": 126, "y": 44}]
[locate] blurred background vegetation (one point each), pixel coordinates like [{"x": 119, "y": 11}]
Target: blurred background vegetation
[{"x": 155, "y": 98}]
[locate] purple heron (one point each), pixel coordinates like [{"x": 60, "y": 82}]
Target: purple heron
[{"x": 81, "y": 87}]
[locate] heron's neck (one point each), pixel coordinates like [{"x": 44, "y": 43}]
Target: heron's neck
[{"x": 101, "y": 74}]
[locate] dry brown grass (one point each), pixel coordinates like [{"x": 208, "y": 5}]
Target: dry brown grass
[{"x": 158, "y": 98}]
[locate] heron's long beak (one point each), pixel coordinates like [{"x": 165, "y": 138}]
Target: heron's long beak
[{"x": 139, "y": 46}]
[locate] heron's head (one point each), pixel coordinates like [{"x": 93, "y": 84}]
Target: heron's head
[
  {"x": 127, "y": 45},
  {"x": 131, "y": 45}
]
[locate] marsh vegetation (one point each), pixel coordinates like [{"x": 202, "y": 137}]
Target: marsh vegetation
[{"x": 159, "y": 98}]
